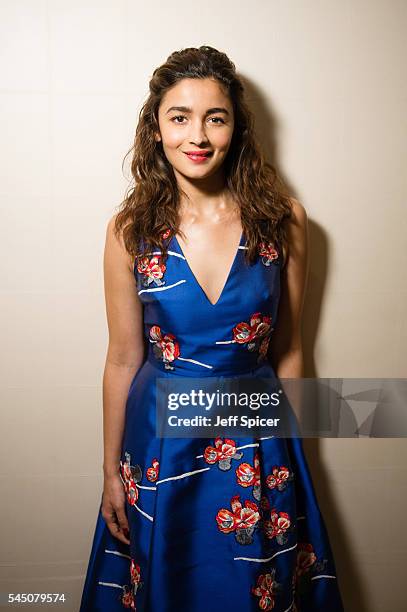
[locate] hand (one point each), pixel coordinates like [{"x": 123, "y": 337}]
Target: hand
[{"x": 113, "y": 508}]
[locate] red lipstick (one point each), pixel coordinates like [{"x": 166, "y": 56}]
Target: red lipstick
[{"x": 198, "y": 156}]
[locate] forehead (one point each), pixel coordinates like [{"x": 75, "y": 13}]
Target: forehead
[{"x": 198, "y": 94}]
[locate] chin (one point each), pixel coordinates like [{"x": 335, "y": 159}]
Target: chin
[{"x": 195, "y": 172}]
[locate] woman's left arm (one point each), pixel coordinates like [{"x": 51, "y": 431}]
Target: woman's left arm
[{"x": 286, "y": 342}]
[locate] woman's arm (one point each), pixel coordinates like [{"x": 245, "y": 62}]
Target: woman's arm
[
  {"x": 286, "y": 342},
  {"x": 125, "y": 351},
  {"x": 125, "y": 355}
]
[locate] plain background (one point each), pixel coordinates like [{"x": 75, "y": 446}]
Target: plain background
[{"x": 325, "y": 80}]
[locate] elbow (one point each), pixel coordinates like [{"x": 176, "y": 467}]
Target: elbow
[
  {"x": 126, "y": 357},
  {"x": 288, "y": 363}
]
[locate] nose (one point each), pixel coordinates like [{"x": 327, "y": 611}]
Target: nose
[{"x": 197, "y": 133}]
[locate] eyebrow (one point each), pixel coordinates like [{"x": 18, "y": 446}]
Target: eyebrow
[{"x": 210, "y": 111}]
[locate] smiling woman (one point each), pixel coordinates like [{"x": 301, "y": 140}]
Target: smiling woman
[
  {"x": 206, "y": 251},
  {"x": 209, "y": 129}
]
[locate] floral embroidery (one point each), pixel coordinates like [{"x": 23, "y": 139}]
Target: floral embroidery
[
  {"x": 130, "y": 476},
  {"x": 165, "y": 348},
  {"x": 277, "y": 526},
  {"x": 135, "y": 573},
  {"x": 307, "y": 565},
  {"x": 242, "y": 520},
  {"x": 305, "y": 557},
  {"x": 166, "y": 233},
  {"x": 249, "y": 476},
  {"x": 152, "y": 270},
  {"x": 222, "y": 453},
  {"x": 267, "y": 588},
  {"x": 264, "y": 345},
  {"x": 152, "y": 472},
  {"x": 129, "y": 592},
  {"x": 256, "y": 333},
  {"x": 268, "y": 253},
  {"x": 128, "y": 598},
  {"x": 279, "y": 478}
]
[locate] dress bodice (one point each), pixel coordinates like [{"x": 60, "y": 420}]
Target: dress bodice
[{"x": 187, "y": 334}]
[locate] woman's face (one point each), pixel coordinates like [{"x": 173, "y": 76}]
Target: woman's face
[{"x": 195, "y": 115}]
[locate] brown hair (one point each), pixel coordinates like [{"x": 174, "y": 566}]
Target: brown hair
[{"x": 150, "y": 207}]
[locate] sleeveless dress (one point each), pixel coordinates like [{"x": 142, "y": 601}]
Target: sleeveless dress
[{"x": 222, "y": 523}]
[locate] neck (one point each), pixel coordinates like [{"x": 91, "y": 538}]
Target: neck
[{"x": 208, "y": 197}]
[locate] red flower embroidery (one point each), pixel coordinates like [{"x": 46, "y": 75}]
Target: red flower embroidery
[
  {"x": 222, "y": 453},
  {"x": 258, "y": 327},
  {"x": 266, "y": 589},
  {"x": 129, "y": 592},
  {"x": 128, "y": 598},
  {"x": 165, "y": 346},
  {"x": 279, "y": 478},
  {"x": 152, "y": 472},
  {"x": 166, "y": 234},
  {"x": 249, "y": 476},
  {"x": 135, "y": 573},
  {"x": 306, "y": 557},
  {"x": 242, "y": 520},
  {"x": 130, "y": 476},
  {"x": 152, "y": 270},
  {"x": 268, "y": 253},
  {"x": 277, "y": 526},
  {"x": 256, "y": 333},
  {"x": 307, "y": 565}
]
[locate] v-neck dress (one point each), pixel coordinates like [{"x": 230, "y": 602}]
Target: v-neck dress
[{"x": 227, "y": 523}]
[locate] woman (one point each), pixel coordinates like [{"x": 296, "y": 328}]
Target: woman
[{"x": 215, "y": 245}]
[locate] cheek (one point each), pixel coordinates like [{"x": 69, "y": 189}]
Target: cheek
[
  {"x": 171, "y": 137},
  {"x": 222, "y": 140}
]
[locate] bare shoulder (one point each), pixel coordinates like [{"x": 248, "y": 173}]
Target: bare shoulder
[
  {"x": 297, "y": 229},
  {"x": 299, "y": 216},
  {"x": 287, "y": 336},
  {"x": 123, "y": 306},
  {"x": 115, "y": 245}
]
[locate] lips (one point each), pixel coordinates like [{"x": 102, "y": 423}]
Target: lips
[{"x": 197, "y": 156}]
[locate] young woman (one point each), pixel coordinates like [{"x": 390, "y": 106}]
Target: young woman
[{"x": 205, "y": 250}]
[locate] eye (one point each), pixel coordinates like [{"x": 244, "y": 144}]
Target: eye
[{"x": 216, "y": 120}]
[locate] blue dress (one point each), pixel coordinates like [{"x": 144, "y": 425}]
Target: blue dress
[{"x": 231, "y": 524}]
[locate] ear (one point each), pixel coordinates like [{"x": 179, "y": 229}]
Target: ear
[{"x": 157, "y": 136}]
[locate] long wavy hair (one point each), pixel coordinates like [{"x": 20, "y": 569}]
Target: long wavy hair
[{"x": 149, "y": 212}]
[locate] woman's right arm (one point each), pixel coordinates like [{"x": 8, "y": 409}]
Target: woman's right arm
[{"x": 125, "y": 355}]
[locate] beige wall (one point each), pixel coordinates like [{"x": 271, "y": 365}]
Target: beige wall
[{"x": 325, "y": 81}]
